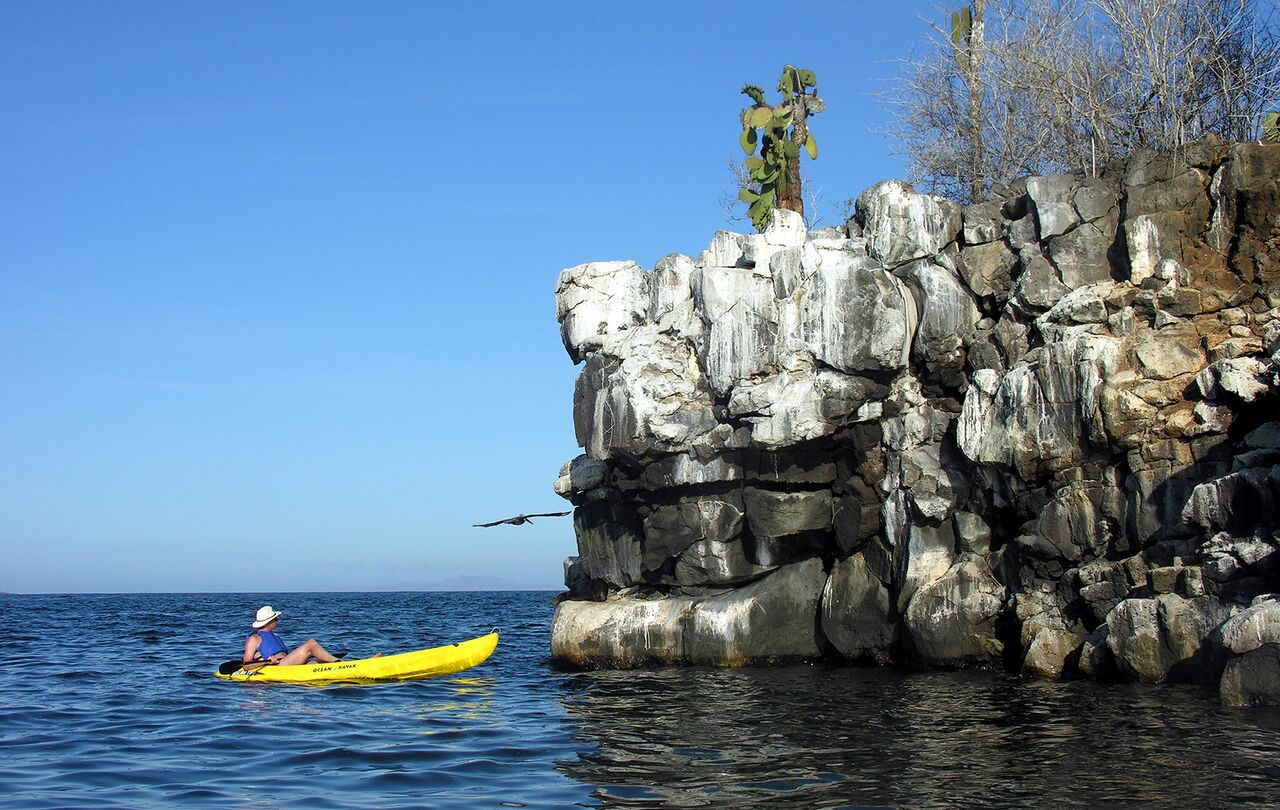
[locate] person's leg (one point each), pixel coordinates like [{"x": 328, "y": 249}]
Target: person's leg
[{"x": 306, "y": 651}]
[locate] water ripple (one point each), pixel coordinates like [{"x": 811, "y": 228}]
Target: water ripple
[{"x": 159, "y": 731}]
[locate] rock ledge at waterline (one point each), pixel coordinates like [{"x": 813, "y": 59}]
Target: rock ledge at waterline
[{"x": 1042, "y": 431}]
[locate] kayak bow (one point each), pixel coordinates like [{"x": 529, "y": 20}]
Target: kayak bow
[{"x": 408, "y": 666}]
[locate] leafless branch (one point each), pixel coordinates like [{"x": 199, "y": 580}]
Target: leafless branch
[{"x": 1071, "y": 85}]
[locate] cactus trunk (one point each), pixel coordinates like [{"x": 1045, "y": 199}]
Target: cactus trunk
[{"x": 792, "y": 199}]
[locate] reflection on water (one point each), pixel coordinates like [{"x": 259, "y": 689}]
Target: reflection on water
[
  {"x": 468, "y": 701},
  {"x": 820, "y": 737}
]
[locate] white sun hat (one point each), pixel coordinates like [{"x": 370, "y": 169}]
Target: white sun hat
[{"x": 266, "y": 615}]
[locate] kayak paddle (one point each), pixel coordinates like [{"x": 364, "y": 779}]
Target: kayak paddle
[{"x": 228, "y": 667}]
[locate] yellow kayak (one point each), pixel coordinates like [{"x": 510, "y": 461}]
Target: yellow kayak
[{"x": 407, "y": 666}]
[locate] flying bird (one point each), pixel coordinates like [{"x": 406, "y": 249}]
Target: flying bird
[{"x": 521, "y": 519}]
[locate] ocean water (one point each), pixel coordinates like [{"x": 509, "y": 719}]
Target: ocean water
[{"x": 108, "y": 701}]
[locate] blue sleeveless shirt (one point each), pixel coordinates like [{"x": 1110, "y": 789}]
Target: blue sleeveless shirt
[{"x": 270, "y": 643}]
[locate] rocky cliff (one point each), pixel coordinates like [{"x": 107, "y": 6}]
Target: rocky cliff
[{"x": 1039, "y": 432}]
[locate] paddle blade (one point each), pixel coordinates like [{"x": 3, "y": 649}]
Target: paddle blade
[{"x": 230, "y": 667}]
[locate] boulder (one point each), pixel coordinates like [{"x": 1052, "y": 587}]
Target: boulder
[
  {"x": 772, "y": 620},
  {"x": 1249, "y": 194},
  {"x": 952, "y": 621},
  {"x": 1049, "y": 651},
  {"x": 856, "y": 518},
  {"x": 636, "y": 396},
  {"x": 1228, "y": 557},
  {"x": 792, "y": 268},
  {"x": 1252, "y": 679},
  {"x": 1236, "y": 502},
  {"x": 1044, "y": 412},
  {"x": 974, "y": 533},
  {"x": 852, "y": 316},
  {"x": 793, "y": 407},
  {"x": 1073, "y": 525},
  {"x": 1169, "y": 353},
  {"x": 1157, "y": 182},
  {"x": 947, "y": 310},
  {"x": 1083, "y": 256},
  {"x": 716, "y": 563},
  {"x": 771, "y": 513},
  {"x": 1093, "y": 200},
  {"x": 1048, "y": 639},
  {"x": 579, "y": 476},
  {"x": 1038, "y": 285},
  {"x": 737, "y": 305},
  {"x": 1134, "y": 638},
  {"x": 1147, "y": 246},
  {"x": 1265, "y": 437},
  {"x": 609, "y": 538},
  {"x": 987, "y": 269},
  {"x": 983, "y": 223},
  {"x": 1051, "y": 201},
  {"x": 1103, "y": 585},
  {"x": 1083, "y": 305},
  {"x": 725, "y": 250},
  {"x": 901, "y": 225},
  {"x": 1256, "y": 626},
  {"x": 922, "y": 553},
  {"x": 857, "y": 612},
  {"x": 619, "y": 632},
  {"x": 1167, "y": 638},
  {"x": 1096, "y": 660},
  {"x": 785, "y": 229},
  {"x": 928, "y": 485},
  {"x": 1240, "y": 378},
  {"x": 670, "y": 529},
  {"x": 599, "y": 299},
  {"x": 672, "y": 308},
  {"x": 799, "y": 463}
]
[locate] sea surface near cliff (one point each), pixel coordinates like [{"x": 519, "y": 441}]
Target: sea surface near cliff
[{"x": 107, "y": 701}]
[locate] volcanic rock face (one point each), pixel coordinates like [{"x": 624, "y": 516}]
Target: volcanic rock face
[{"x": 1042, "y": 430}]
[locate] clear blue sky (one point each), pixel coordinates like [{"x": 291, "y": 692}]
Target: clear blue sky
[{"x": 276, "y": 279}]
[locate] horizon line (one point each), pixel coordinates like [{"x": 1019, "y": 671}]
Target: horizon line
[{"x": 366, "y": 590}]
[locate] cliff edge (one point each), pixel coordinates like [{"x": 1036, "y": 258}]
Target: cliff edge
[{"x": 1037, "y": 432}]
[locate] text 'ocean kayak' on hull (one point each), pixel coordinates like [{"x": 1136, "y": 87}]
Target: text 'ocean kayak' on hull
[{"x": 409, "y": 666}]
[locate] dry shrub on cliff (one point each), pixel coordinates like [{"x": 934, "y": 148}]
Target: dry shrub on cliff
[{"x": 1047, "y": 86}]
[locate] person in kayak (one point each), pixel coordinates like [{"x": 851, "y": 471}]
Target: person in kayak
[{"x": 265, "y": 646}]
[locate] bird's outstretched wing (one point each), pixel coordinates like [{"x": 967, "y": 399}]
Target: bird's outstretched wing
[
  {"x": 520, "y": 519},
  {"x": 487, "y": 525}
]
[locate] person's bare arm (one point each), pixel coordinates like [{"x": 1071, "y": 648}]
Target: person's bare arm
[{"x": 251, "y": 645}]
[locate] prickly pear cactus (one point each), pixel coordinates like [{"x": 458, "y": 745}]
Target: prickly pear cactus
[{"x": 772, "y": 137}]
